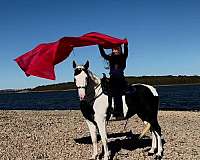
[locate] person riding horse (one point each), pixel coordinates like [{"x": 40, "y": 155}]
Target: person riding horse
[{"x": 117, "y": 83}]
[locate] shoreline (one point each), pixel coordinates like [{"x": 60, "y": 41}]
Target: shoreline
[{"x": 78, "y": 109}]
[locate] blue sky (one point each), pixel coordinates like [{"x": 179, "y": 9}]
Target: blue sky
[{"x": 163, "y": 36}]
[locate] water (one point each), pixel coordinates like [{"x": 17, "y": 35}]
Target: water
[
  {"x": 181, "y": 97},
  {"x": 40, "y": 100}
]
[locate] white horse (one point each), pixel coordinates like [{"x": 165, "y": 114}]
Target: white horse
[{"x": 144, "y": 102}]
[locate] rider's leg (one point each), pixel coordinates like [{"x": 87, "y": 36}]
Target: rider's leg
[
  {"x": 116, "y": 89},
  {"x": 118, "y": 106}
]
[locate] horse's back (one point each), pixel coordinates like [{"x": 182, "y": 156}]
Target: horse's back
[
  {"x": 144, "y": 100},
  {"x": 144, "y": 89}
]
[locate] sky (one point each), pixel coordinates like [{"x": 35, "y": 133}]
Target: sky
[{"x": 163, "y": 36}]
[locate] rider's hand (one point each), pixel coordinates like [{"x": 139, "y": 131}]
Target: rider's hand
[
  {"x": 126, "y": 41},
  {"x": 100, "y": 46}
]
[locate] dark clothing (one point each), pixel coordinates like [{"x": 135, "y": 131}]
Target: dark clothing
[
  {"x": 117, "y": 85},
  {"x": 117, "y": 65}
]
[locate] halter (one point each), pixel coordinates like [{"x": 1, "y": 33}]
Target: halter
[
  {"x": 79, "y": 87},
  {"x": 93, "y": 99},
  {"x": 78, "y": 71}
]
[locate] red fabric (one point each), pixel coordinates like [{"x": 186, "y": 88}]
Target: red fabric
[{"x": 41, "y": 60}]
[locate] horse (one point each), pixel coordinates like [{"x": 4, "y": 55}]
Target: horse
[{"x": 94, "y": 105}]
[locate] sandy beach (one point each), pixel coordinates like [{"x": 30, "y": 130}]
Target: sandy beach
[{"x": 64, "y": 135}]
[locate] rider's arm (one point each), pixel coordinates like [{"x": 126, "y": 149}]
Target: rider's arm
[
  {"x": 126, "y": 50},
  {"x": 103, "y": 54}
]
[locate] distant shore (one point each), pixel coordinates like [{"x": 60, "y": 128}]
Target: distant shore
[
  {"x": 187, "y": 84},
  {"x": 64, "y": 135},
  {"x": 65, "y": 90},
  {"x": 166, "y": 80},
  {"x": 73, "y": 89}
]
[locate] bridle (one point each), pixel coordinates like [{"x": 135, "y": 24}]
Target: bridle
[
  {"x": 78, "y": 71},
  {"x": 84, "y": 87},
  {"x": 81, "y": 87},
  {"x": 97, "y": 96}
]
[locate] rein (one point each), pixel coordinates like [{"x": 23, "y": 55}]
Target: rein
[
  {"x": 79, "y": 87},
  {"x": 78, "y": 71},
  {"x": 93, "y": 99},
  {"x": 94, "y": 89}
]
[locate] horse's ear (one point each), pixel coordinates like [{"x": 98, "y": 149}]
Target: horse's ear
[
  {"x": 74, "y": 64},
  {"x": 86, "y": 66}
]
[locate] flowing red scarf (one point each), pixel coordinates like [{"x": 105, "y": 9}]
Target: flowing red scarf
[{"x": 41, "y": 60}]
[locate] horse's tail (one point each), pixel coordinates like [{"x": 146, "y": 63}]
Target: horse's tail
[{"x": 145, "y": 130}]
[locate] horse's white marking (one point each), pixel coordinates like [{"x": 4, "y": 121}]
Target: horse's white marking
[
  {"x": 160, "y": 149},
  {"x": 101, "y": 105},
  {"x": 152, "y": 89},
  {"x": 81, "y": 82},
  {"x": 101, "y": 124},
  {"x": 154, "y": 143},
  {"x": 125, "y": 107},
  {"x": 93, "y": 133},
  {"x": 80, "y": 67}
]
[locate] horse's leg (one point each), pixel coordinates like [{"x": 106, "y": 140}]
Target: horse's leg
[
  {"x": 93, "y": 133},
  {"x": 160, "y": 148},
  {"x": 157, "y": 131},
  {"x": 101, "y": 123},
  {"x": 153, "y": 145}
]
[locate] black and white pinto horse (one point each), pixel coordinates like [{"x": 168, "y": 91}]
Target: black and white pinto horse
[{"x": 144, "y": 102}]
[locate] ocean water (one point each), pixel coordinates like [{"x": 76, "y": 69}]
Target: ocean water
[
  {"x": 58, "y": 100},
  {"x": 178, "y": 97}
]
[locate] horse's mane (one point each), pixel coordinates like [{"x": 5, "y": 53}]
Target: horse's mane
[{"x": 94, "y": 78}]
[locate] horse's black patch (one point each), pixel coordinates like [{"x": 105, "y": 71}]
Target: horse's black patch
[
  {"x": 143, "y": 103},
  {"x": 77, "y": 71},
  {"x": 87, "y": 111}
]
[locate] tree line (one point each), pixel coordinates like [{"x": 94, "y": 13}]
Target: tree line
[{"x": 151, "y": 80}]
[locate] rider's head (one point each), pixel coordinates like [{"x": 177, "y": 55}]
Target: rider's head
[{"x": 117, "y": 50}]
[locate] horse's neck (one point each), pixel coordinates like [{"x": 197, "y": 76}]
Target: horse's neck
[{"x": 94, "y": 84}]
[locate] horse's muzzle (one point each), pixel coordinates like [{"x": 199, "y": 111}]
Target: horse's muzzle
[{"x": 82, "y": 98}]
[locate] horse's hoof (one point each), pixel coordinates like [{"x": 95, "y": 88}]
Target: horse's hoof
[
  {"x": 158, "y": 157},
  {"x": 106, "y": 158},
  {"x": 93, "y": 157}
]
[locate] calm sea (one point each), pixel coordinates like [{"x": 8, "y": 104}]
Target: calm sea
[{"x": 180, "y": 97}]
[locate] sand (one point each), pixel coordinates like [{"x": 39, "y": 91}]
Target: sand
[{"x": 52, "y": 135}]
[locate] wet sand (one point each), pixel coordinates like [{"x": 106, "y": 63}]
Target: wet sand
[{"x": 64, "y": 135}]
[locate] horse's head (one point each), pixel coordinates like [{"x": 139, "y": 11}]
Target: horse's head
[{"x": 81, "y": 78}]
